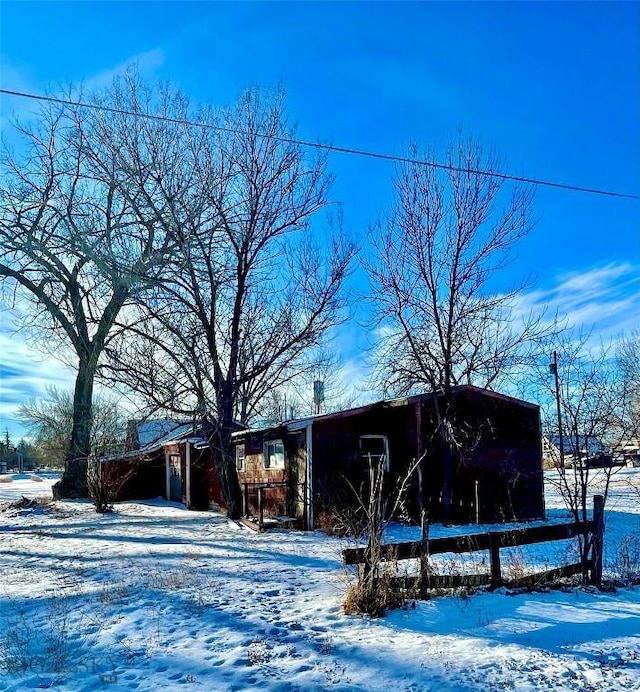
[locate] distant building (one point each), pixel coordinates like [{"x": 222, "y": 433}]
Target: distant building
[
  {"x": 585, "y": 449},
  {"x": 627, "y": 452}
]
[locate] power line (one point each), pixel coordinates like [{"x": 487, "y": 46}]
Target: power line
[{"x": 327, "y": 147}]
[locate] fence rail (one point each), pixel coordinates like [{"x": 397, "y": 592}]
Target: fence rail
[{"x": 493, "y": 542}]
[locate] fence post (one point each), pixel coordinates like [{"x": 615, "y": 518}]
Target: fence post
[
  {"x": 597, "y": 540},
  {"x": 260, "y": 508},
  {"x": 424, "y": 556},
  {"x": 494, "y": 558}
]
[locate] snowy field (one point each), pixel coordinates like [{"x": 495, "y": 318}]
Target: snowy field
[{"x": 157, "y": 597}]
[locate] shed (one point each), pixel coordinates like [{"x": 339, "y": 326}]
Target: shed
[
  {"x": 304, "y": 468},
  {"x": 171, "y": 460}
]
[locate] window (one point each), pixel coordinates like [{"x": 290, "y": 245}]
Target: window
[
  {"x": 274, "y": 454},
  {"x": 240, "y": 457},
  {"x": 174, "y": 465},
  {"x": 374, "y": 449}
]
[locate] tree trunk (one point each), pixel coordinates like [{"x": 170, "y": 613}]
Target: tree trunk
[
  {"x": 228, "y": 476},
  {"x": 74, "y": 480},
  {"x": 447, "y": 483},
  {"x": 219, "y": 437}
]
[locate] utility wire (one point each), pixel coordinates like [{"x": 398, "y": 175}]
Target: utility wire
[{"x": 326, "y": 147}]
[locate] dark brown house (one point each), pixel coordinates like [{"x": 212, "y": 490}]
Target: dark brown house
[
  {"x": 302, "y": 468},
  {"x": 166, "y": 459}
]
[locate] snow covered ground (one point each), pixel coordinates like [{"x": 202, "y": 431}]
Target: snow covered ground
[{"x": 157, "y": 597}]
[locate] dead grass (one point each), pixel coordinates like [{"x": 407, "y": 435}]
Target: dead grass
[
  {"x": 26, "y": 505},
  {"x": 626, "y": 564},
  {"x": 376, "y": 590},
  {"x": 373, "y": 597}
]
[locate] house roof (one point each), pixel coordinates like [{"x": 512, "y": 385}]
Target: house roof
[
  {"x": 181, "y": 433},
  {"x": 150, "y": 431},
  {"x": 300, "y": 423},
  {"x": 585, "y": 443},
  {"x": 178, "y": 432}
]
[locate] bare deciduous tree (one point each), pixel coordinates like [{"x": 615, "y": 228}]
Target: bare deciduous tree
[
  {"x": 594, "y": 411},
  {"x": 77, "y": 240},
  {"x": 50, "y": 421},
  {"x": 440, "y": 318},
  {"x": 255, "y": 285},
  {"x": 628, "y": 362},
  {"x": 296, "y": 398}
]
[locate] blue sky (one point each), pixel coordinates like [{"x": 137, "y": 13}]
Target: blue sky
[{"x": 555, "y": 87}]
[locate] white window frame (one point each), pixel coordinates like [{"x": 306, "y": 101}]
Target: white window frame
[
  {"x": 240, "y": 457},
  {"x": 267, "y": 457},
  {"x": 385, "y": 440}
]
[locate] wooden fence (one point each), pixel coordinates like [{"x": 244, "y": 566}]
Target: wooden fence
[{"x": 494, "y": 541}]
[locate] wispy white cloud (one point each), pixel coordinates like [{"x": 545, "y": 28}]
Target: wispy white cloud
[
  {"x": 604, "y": 300},
  {"x": 25, "y": 375},
  {"x": 147, "y": 64},
  {"x": 14, "y": 79}
]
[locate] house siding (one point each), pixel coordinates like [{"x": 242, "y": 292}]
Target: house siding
[{"x": 282, "y": 488}]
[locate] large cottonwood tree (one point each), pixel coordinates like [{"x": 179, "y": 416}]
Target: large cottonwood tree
[{"x": 84, "y": 214}]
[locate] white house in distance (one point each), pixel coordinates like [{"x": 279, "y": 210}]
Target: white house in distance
[{"x": 585, "y": 447}]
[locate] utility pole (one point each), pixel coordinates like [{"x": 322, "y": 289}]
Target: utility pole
[
  {"x": 19, "y": 450},
  {"x": 553, "y": 367}
]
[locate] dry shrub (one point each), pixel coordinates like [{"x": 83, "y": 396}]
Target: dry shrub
[
  {"x": 100, "y": 490},
  {"x": 626, "y": 564},
  {"x": 341, "y": 521},
  {"x": 6, "y": 479},
  {"x": 377, "y": 589},
  {"x": 374, "y": 596},
  {"x": 35, "y": 478},
  {"x": 515, "y": 565}
]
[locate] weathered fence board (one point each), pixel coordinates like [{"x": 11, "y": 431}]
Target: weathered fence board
[
  {"x": 438, "y": 581},
  {"x": 468, "y": 544},
  {"x": 455, "y": 581},
  {"x": 549, "y": 575},
  {"x": 493, "y": 542}
]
